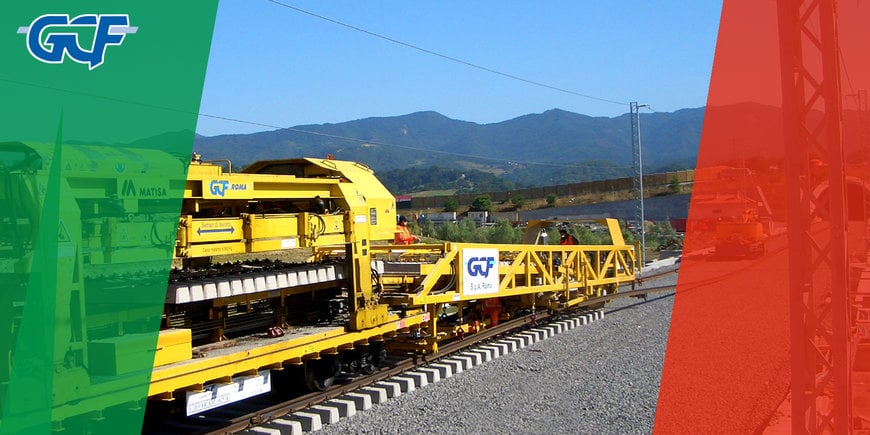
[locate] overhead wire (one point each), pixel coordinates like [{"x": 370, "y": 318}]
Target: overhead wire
[
  {"x": 443, "y": 56},
  {"x": 447, "y": 57}
]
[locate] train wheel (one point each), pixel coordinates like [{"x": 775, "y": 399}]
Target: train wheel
[
  {"x": 363, "y": 361},
  {"x": 377, "y": 353},
  {"x": 357, "y": 360},
  {"x": 367, "y": 368},
  {"x": 320, "y": 373}
]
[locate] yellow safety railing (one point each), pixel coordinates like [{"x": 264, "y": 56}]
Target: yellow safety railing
[{"x": 579, "y": 271}]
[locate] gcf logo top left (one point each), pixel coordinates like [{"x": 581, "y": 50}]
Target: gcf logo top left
[{"x": 52, "y": 38}]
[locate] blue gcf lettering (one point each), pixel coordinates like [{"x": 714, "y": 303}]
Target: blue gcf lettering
[
  {"x": 218, "y": 187},
  {"x": 480, "y": 266},
  {"x": 51, "y": 37}
]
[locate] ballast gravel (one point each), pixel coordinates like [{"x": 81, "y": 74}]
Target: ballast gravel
[{"x": 599, "y": 378}]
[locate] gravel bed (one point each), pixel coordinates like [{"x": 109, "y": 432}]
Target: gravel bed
[{"x": 599, "y": 378}]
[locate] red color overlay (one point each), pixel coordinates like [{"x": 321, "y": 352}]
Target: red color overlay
[{"x": 770, "y": 329}]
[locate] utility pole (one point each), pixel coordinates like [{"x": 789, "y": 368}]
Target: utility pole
[{"x": 637, "y": 156}]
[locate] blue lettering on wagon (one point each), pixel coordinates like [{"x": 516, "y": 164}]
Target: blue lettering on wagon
[
  {"x": 220, "y": 187},
  {"x": 480, "y": 266}
]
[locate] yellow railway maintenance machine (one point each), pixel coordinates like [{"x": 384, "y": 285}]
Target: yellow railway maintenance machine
[
  {"x": 359, "y": 294},
  {"x": 244, "y": 313}
]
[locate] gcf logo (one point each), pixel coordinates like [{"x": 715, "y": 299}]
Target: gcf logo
[
  {"x": 479, "y": 271},
  {"x": 480, "y": 266},
  {"x": 218, "y": 187},
  {"x": 50, "y": 37},
  {"x": 221, "y": 187}
]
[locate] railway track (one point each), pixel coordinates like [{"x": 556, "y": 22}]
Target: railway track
[{"x": 271, "y": 408}]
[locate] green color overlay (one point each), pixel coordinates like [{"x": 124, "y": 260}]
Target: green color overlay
[{"x": 93, "y": 161}]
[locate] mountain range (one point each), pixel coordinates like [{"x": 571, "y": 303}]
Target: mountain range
[{"x": 549, "y": 148}]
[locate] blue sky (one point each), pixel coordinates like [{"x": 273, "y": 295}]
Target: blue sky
[{"x": 276, "y": 66}]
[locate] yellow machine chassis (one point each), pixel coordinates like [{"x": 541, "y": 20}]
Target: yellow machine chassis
[{"x": 191, "y": 375}]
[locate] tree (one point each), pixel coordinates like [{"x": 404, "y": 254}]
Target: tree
[
  {"x": 482, "y": 203},
  {"x": 468, "y": 232},
  {"x": 627, "y": 235},
  {"x": 585, "y": 236},
  {"x": 503, "y": 233},
  {"x": 662, "y": 234},
  {"x": 518, "y": 201},
  {"x": 449, "y": 231},
  {"x": 427, "y": 228},
  {"x": 451, "y": 204},
  {"x": 675, "y": 186},
  {"x": 551, "y": 200},
  {"x": 413, "y": 227},
  {"x": 553, "y": 235}
]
